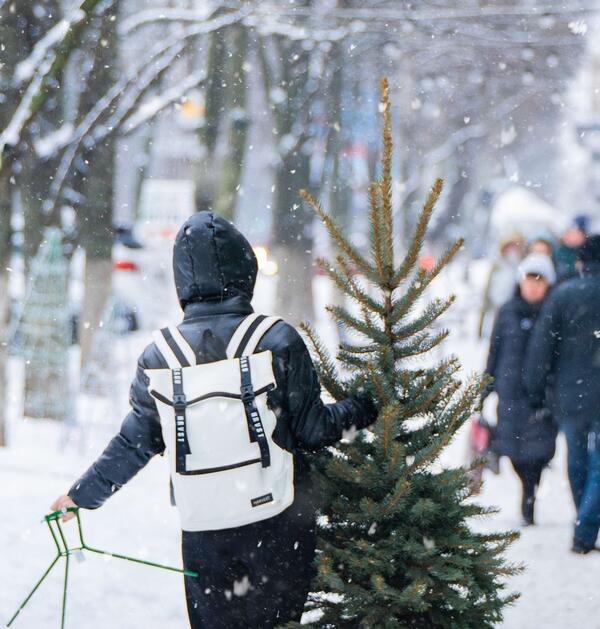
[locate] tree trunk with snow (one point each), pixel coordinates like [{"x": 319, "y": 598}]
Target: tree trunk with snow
[{"x": 96, "y": 176}]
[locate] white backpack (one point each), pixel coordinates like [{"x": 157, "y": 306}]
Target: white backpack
[{"x": 225, "y": 467}]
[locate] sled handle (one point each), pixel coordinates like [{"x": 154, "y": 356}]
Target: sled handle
[
  {"x": 52, "y": 520},
  {"x": 51, "y": 517}
]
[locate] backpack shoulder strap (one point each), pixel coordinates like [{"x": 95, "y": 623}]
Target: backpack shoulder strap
[
  {"x": 184, "y": 347},
  {"x": 240, "y": 333},
  {"x": 176, "y": 351},
  {"x": 254, "y": 335}
]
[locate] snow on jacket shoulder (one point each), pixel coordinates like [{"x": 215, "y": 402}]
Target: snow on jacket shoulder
[{"x": 215, "y": 271}]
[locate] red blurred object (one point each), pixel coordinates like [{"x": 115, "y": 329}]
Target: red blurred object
[
  {"x": 427, "y": 263},
  {"x": 125, "y": 265},
  {"x": 479, "y": 436}
]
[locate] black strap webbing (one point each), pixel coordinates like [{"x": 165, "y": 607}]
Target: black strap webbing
[
  {"x": 249, "y": 332},
  {"x": 182, "y": 447},
  {"x": 252, "y": 415},
  {"x": 183, "y": 361}
]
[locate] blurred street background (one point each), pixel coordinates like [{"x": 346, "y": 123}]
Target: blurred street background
[{"x": 120, "y": 118}]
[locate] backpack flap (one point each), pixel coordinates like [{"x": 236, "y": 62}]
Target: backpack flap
[
  {"x": 220, "y": 430},
  {"x": 202, "y": 381}
]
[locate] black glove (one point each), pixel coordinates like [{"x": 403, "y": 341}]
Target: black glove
[{"x": 368, "y": 412}]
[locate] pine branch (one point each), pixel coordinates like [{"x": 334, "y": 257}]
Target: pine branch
[
  {"x": 448, "y": 255},
  {"x": 419, "y": 236},
  {"x": 445, "y": 260},
  {"x": 358, "y": 349},
  {"x": 353, "y": 361},
  {"x": 376, "y": 228},
  {"x": 386, "y": 415},
  {"x": 330, "y": 378},
  {"x": 402, "y": 306},
  {"x": 339, "y": 238},
  {"x": 422, "y": 343},
  {"x": 431, "y": 313},
  {"x": 386, "y": 185},
  {"x": 370, "y": 331},
  {"x": 460, "y": 412},
  {"x": 345, "y": 281}
]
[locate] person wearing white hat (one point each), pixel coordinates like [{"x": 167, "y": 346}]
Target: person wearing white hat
[
  {"x": 537, "y": 265},
  {"x": 524, "y": 433}
]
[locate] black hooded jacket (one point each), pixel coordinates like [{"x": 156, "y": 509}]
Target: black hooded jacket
[{"x": 215, "y": 271}]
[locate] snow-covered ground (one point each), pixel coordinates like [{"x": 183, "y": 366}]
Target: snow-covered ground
[{"x": 558, "y": 589}]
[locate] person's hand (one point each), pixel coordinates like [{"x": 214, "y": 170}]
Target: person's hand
[
  {"x": 64, "y": 502},
  {"x": 369, "y": 411}
]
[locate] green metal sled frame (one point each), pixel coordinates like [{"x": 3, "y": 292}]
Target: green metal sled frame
[{"x": 63, "y": 550}]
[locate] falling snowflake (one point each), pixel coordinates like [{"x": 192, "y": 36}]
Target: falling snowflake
[{"x": 578, "y": 27}]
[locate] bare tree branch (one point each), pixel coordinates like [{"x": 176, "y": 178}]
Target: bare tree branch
[{"x": 51, "y": 58}]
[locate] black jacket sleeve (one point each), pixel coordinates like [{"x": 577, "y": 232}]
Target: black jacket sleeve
[
  {"x": 139, "y": 439},
  {"x": 312, "y": 422},
  {"x": 541, "y": 350}
]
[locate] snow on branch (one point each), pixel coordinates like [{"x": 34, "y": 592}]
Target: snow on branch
[
  {"x": 128, "y": 93},
  {"x": 155, "y": 105},
  {"x": 168, "y": 14},
  {"x": 49, "y": 144},
  {"x": 45, "y": 60},
  {"x": 388, "y": 14},
  {"x": 25, "y": 69},
  {"x": 83, "y": 132},
  {"x": 25, "y": 109},
  {"x": 264, "y": 21},
  {"x": 267, "y": 24}
]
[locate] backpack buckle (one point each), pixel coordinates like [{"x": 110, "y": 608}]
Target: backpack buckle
[
  {"x": 247, "y": 393},
  {"x": 179, "y": 402}
]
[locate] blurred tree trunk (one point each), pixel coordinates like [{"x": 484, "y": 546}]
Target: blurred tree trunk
[
  {"x": 95, "y": 174},
  {"x": 230, "y": 170},
  {"x": 35, "y": 177},
  {"x": 214, "y": 106},
  {"x": 340, "y": 184},
  {"x": 5, "y": 233},
  {"x": 286, "y": 76},
  {"x": 293, "y": 239},
  {"x": 9, "y": 51}
]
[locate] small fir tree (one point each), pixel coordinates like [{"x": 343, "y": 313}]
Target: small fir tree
[
  {"x": 41, "y": 333},
  {"x": 396, "y": 548}
]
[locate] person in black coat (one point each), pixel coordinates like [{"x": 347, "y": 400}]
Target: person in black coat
[
  {"x": 565, "y": 354},
  {"x": 215, "y": 271},
  {"x": 525, "y": 434}
]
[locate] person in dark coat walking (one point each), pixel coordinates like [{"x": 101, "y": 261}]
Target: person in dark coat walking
[
  {"x": 524, "y": 434},
  {"x": 565, "y": 352},
  {"x": 257, "y": 575}
]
